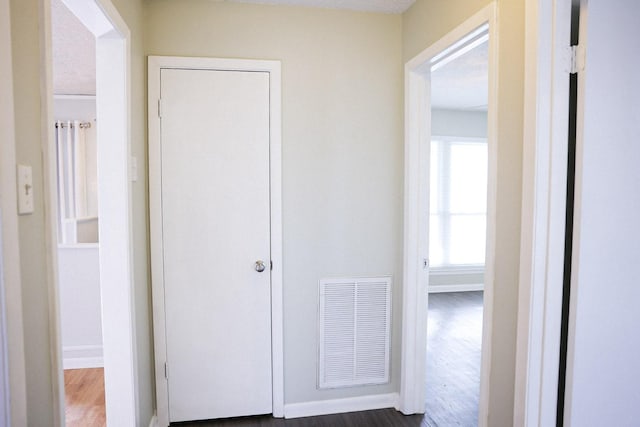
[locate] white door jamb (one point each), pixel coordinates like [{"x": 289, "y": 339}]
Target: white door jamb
[{"x": 546, "y": 124}]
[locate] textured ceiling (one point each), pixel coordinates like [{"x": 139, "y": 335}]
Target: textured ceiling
[
  {"x": 381, "y": 6},
  {"x": 463, "y": 83},
  {"x": 74, "y": 53}
]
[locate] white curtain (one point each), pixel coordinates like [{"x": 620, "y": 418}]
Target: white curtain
[{"x": 72, "y": 178}]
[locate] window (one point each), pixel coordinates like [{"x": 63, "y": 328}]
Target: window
[{"x": 458, "y": 199}]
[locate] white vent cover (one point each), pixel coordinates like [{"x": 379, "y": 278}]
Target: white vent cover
[{"x": 355, "y": 317}]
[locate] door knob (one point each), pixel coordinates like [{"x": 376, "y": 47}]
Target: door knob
[{"x": 260, "y": 266}]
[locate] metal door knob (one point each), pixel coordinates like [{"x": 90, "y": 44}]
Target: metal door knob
[{"x": 260, "y": 266}]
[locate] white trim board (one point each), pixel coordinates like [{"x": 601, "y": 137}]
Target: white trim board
[
  {"x": 456, "y": 271},
  {"x": 82, "y": 356},
  {"x": 155, "y": 64},
  {"x": 417, "y": 148},
  {"x": 339, "y": 406},
  {"x": 82, "y": 362},
  {"x": 545, "y": 151},
  {"x": 436, "y": 289}
]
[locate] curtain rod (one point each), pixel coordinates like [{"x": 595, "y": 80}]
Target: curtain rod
[{"x": 83, "y": 125}]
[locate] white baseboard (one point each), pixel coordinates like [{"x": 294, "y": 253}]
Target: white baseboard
[
  {"x": 154, "y": 421},
  {"x": 82, "y": 356},
  {"x": 338, "y": 406},
  {"x": 434, "y": 289}
]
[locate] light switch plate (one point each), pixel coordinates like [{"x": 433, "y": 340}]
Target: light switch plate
[{"x": 25, "y": 190}]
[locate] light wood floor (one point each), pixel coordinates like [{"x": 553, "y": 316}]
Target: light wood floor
[{"x": 84, "y": 397}]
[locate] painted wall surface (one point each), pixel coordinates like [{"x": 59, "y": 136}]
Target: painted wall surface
[
  {"x": 423, "y": 24},
  {"x": 33, "y": 261},
  {"x": 28, "y": 74},
  {"x": 469, "y": 124},
  {"x": 132, "y": 11},
  {"x": 9, "y": 239},
  {"x": 342, "y": 149},
  {"x": 80, "y": 309}
]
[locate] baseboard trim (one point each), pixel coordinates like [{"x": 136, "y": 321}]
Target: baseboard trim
[
  {"x": 82, "y": 356},
  {"x": 83, "y": 363},
  {"x": 339, "y": 406},
  {"x": 154, "y": 421},
  {"x": 456, "y": 288}
]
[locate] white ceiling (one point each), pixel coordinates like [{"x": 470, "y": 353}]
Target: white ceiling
[
  {"x": 380, "y": 6},
  {"x": 463, "y": 83},
  {"x": 74, "y": 53}
]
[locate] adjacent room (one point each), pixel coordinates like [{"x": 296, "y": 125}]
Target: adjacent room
[
  {"x": 457, "y": 232},
  {"x": 74, "y": 110}
]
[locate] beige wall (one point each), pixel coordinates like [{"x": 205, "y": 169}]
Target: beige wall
[
  {"x": 468, "y": 124},
  {"x": 28, "y": 75},
  {"x": 10, "y": 285},
  {"x": 133, "y": 14},
  {"x": 424, "y": 23},
  {"x": 342, "y": 148},
  {"x": 35, "y": 297}
]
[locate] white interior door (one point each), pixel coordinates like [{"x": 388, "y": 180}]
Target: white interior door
[
  {"x": 603, "y": 372},
  {"x": 215, "y": 228}
]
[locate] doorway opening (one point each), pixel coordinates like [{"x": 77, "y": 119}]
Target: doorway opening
[
  {"x": 86, "y": 161},
  {"x": 450, "y": 175},
  {"x": 74, "y": 113},
  {"x": 457, "y": 230}
]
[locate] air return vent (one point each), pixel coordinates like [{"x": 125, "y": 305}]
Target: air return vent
[{"x": 355, "y": 316}]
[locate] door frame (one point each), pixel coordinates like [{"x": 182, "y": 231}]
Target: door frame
[
  {"x": 416, "y": 213},
  {"x": 13, "y": 382},
  {"x": 155, "y": 65},
  {"x": 113, "y": 102},
  {"x": 544, "y": 183}
]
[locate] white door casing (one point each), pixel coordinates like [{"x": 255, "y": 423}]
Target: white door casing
[
  {"x": 416, "y": 212},
  {"x": 209, "y": 177}
]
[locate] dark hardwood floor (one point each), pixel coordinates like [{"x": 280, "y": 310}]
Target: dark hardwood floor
[
  {"x": 453, "y": 376},
  {"x": 454, "y": 337},
  {"x": 379, "y": 418}
]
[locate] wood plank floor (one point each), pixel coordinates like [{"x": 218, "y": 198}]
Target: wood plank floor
[
  {"x": 453, "y": 364},
  {"x": 454, "y": 337},
  {"x": 84, "y": 397}
]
